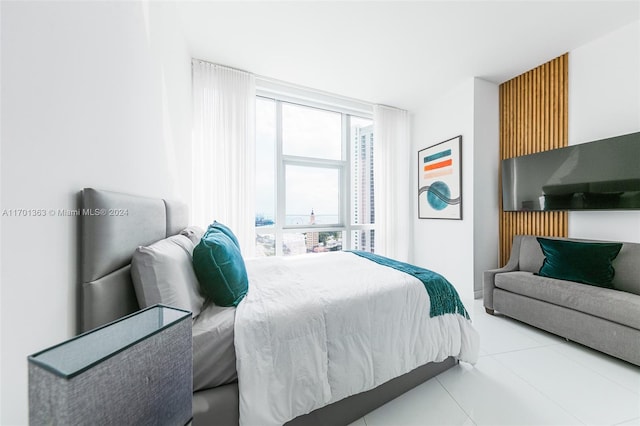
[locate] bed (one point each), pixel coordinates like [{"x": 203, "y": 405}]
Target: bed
[{"x": 114, "y": 225}]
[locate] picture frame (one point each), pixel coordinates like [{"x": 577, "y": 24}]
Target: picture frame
[{"x": 440, "y": 180}]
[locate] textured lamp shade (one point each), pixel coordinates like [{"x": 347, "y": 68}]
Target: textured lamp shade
[{"x": 137, "y": 370}]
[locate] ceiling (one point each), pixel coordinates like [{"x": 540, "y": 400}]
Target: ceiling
[{"x": 394, "y": 52}]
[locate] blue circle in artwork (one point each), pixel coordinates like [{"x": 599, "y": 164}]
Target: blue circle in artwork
[{"x": 438, "y": 195}]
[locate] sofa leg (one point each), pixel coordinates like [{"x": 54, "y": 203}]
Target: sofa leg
[{"x": 489, "y": 311}]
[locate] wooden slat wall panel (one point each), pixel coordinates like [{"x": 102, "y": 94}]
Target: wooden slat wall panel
[{"x": 533, "y": 118}]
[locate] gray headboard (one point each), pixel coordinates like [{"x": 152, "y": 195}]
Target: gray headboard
[{"x": 112, "y": 226}]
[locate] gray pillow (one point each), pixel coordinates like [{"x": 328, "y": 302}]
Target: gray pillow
[{"x": 163, "y": 273}]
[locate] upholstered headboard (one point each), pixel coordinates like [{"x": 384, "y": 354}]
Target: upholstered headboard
[{"x": 113, "y": 225}]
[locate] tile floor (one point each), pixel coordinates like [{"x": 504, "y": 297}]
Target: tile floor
[{"x": 524, "y": 376}]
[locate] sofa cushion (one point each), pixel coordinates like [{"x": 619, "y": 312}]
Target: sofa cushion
[
  {"x": 531, "y": 256},
  {"x": 583, "y": 262},
  {"x": 613, "y": 305},
  {"x": 627, "y": 266}
]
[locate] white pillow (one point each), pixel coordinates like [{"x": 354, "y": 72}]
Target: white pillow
[
  {"x": 194, "y": 233},
  {"x": 163, "y": 273}
]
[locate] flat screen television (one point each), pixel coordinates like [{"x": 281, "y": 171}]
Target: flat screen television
[{"x": 600, "y": 175}]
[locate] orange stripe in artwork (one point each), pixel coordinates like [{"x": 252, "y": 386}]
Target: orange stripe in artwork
[
  {"x": 439, "y": 165},
  {"x": 438, "y": 173}
]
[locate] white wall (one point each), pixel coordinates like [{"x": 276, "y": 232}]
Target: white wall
[
  {"x": 94, "y": 94},
  {"x": 486, "y": 129},
  {"x": 604, "y": 101},
  {"x": 461, "y": 249}
]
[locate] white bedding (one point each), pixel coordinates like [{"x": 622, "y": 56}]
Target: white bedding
[{"x": 315, "y": 329}]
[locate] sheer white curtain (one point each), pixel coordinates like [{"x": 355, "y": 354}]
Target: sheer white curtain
[
  {"x": 392, "y": 184},
  {"x": 223, "y": 150}
]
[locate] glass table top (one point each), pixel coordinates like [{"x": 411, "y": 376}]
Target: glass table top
[{"x": 80, "y": 353}]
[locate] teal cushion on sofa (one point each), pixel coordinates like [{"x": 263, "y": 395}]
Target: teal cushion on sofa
[
  {"x": 219, "y": 227},
  {"x": 220, "y": 269},
  {"x": 587, "y": 263}
]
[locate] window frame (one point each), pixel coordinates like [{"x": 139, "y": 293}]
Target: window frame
[{"x": 346, "y": 108}]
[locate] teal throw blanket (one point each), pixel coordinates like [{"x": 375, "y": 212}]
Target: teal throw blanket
[{"x": 444, "y": 297}]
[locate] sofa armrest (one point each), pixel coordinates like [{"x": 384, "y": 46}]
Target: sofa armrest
[{"x": 488, "y": 277}]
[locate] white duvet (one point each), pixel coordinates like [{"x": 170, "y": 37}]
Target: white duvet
[{"x": 315, "y": 329}]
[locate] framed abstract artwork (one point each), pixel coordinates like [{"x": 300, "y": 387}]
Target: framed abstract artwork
[{"x": 440, "y": 180}]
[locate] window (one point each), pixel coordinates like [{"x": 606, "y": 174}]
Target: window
[{"x": 314, "y": 179}]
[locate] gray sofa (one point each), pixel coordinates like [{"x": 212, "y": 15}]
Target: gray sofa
[{"x": 604, "y": 319}]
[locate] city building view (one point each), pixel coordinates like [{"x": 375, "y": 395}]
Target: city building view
[
  {"x": 362, "y": 180},
  {"x": 299, "y": 242}
]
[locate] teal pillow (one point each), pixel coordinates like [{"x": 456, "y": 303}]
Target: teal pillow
[
  {"x": 220, "y": 269},
  {"x": 587, "y": 263},
  {"x": 219, "y": 227}
]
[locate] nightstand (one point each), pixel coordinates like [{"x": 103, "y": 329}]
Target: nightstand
[{"x": 136, "y": 370}]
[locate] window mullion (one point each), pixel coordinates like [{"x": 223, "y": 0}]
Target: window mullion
[
  {"x": 280, "y": 183},
  {"x": 345, "y": 192},
  {"x": 312, "y": 162}
]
